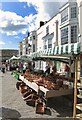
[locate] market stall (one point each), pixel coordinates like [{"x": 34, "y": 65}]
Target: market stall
[
  {"x": 60, "y": 53},
  {"x": 51, "y": 86}
]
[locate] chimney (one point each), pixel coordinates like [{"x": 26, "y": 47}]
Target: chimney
[{"x": 41, "y": 23}]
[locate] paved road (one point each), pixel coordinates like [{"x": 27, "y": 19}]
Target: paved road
[{"x": 13, "y": 106}]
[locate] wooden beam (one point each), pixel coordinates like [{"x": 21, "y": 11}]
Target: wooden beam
[{"x": 75, "y": 87}]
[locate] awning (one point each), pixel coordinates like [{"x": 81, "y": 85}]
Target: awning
[
  {"x": 67, "y": 49},
  {"x": 56, "y": 58},
  {"x": 25, "y": 58}
]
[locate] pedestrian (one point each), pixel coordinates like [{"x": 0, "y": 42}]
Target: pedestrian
[
  {"x": 21, "y": 67},
  {"x": 33, "y": 65},
  {"x": 47, "y": 69},
  {"x": 8, "y": 67},
  {"x": 24, "y": 68},
  {"x": 54, "y": 69},
  {"x": 72, "y": 68},
  {"x": 67, "y": 70},
  {"x": 3, "y": 67}
]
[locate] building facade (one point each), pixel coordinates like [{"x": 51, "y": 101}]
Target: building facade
[
  {"x": 25, "y": 46},
  {"x": 62, "y": 29},
  {"x": 6, "y": 54},
  {"x": 48, "y": 37},
  {"x": 69, "y": 23},
  {"x": 29, "y": 44},
  {"x": 32, "y": 42},
  {"x": 20, "y": 48}
]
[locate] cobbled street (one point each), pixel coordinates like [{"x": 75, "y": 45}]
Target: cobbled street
[{"x": 13, "y": 105}]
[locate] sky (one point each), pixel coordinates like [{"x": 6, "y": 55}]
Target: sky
[{"x": 19, "y": 17}]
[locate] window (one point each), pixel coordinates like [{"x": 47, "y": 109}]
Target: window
[
  {"x": 73, "y": 34},
  {"x": 45, "y": 44},
  {"x": 73, "y": 12},
  {"x": 64, "y": 15},
  {"x": 49, "y": 43},
  {"x": 33, "y": 47},
  {"x": 47, "y": 30},
  {"x": 26, "y": 41},
  {"x": 21, "y": 53},
  {"x": 31, "y": 38},
  {"x": 64, "y": 36},
  {"x": 34, "y": 37},
  {"x": 26, "y": 50}
]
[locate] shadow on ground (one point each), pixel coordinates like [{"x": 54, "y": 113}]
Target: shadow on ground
[
  {"x": 62, "y": 105},
  {"x": 47, "y": 110},
  {"x": 7, "y": 113}
]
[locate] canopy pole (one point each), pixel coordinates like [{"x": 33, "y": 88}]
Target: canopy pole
[{"x": 75, "y": 87}]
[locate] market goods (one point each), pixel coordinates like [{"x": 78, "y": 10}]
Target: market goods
[
  {"x": 40, "y": 106},
  {"x": 18, "y": 84},
  {"x": 23, "y": 89},
  {"x": 51, "y": 82}
]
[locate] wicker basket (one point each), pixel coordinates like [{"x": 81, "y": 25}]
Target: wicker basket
[{"x": 40, "y": 107}]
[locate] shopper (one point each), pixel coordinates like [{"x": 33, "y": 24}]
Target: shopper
[
  {"x": 67, "y": 70},
  {"x": 21, "y": 67},
  {"x": 72, "y": 69},
  {"x": 3, "y": 68},
  {"x": 47, "y": 70},
  {"x": 54, "y": 69},
  {"x": 24, "y": 68}
]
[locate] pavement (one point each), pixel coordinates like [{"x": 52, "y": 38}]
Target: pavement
[{"x": 12, "y": 105}]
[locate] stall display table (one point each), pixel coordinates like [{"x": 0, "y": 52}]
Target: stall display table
[{"x": 47, "y": 93}]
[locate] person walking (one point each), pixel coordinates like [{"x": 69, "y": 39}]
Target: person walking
[
  {"x": 67, "y": 70},
  {"x": 47, "y": 70},
  {"x": 21, "y": 67},
  {"x": 3, "y": 67},
  {"x": 72, "y": 68},
  {"x": 54, "y": 69}
]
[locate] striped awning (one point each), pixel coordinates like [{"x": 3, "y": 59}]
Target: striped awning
[{"x": 73, "y": 48}]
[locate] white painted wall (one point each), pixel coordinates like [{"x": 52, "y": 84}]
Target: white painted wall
[
  {"x": 39, "y": 38},
  {"x": 79, "y": 2},
  {"x": 52, "y": 29}
]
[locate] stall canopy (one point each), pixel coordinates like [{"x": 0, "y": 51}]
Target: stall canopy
[
  {"x": 25, "y": 58},
  {"x": 13, "y": 58},
  {"x": 67, "y": 50}
]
